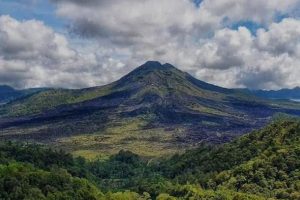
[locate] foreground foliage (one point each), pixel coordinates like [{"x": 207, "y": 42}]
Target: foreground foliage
[
  {"x": 262, "y": 165},
  {"x": 266, "y": 163}
]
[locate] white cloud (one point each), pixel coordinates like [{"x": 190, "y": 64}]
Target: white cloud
[
  {"x": 119, "y": 35},
  {"x": 179, "y": 32},
  {"x": 32, "y": 55},
  {"x": 226, "y": 49},
  {"x": 281, "y": 37},
  {"x": 244, "y": 10},
  {"x": 29, "y": 39},
  {"x": 271, "y": 59},
  {"x": 135, "y": 21}
]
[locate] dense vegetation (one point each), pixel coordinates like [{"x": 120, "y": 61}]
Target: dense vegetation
[{"x": 264, "y": 164}]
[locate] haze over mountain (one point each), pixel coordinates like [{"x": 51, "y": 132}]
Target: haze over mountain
[{"x": 155, "y": 103}]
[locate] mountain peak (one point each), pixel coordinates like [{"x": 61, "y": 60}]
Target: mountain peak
[
  {"x": 153, "y": 73},
  {"x": 155, "y": 65},
  {"x": 152, "y": 63},
  {"x": 152, "y": 69},
  {"x": 165, "y": 75}
]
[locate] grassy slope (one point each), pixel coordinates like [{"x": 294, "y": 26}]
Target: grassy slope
[
  {"x": 47, "y": 100},
  {"x": 126, "y": 134}
]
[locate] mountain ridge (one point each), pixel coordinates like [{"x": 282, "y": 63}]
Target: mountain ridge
[
  {"x": 8, "y": 93},
  {"x": 284, "y": 93},
  {"x": 151, "y": 75}
]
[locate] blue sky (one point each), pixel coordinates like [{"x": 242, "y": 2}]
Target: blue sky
[
  {"x": 41, "y": 10},
  {"x": 44, "y": 10},
  {"x": 231, "y": 43}
]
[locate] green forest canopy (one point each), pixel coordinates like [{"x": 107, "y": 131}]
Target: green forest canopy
[{"x": 264, "y": 164}]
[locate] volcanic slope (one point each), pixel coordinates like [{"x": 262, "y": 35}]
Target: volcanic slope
[{"x": 155, "y": 109}]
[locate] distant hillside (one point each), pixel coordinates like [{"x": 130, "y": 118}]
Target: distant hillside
[
  {"x": 293, "y": 94},
  {"x": 155, "y": 105},
  {"x": 8, "y": 93},
  {"x": 265, "y": 163}
]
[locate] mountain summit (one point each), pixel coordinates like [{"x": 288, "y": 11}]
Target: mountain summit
[
  {"x": 152, "y": 73},
  {"x": 155, "y": 73},
  {"x": 171, "y": 106}
]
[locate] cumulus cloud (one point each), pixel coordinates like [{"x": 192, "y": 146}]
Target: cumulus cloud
[
  {"x": 194, "y": 38},
  {"x": 31, "y": 39},
  {"x": 281, "y": 37},
  {"x": 32, "y": 54},
  {"x": 118, "y": 35},
  {"x": 262, "y": 12},
  {"x": 226, "y": 49},
  {"x": 128, "y": 22},
  {"x": 135, "y": 21},
  {"x": 268, "y": 60}
]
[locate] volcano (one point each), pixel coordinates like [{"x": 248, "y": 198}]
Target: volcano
[{"x": 153, "y": 100}]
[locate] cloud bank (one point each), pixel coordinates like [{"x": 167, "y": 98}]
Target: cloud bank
[
  {"x": 33, "y": 55},
  {"x": 116, "y": 36}
]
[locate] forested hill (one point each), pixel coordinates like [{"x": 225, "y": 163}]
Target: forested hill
[
  {"x": 265, "y": 162},
  {"x": 261, "y": 165}
]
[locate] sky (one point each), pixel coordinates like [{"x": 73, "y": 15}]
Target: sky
[{"x": 83, "y": 43}]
